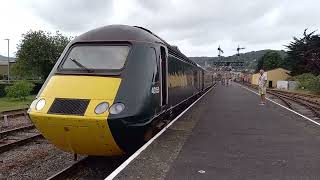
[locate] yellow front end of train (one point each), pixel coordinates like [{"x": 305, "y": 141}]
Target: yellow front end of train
[{"x": 81, "y": 134}]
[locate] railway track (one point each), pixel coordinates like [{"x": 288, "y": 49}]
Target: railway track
[
  {"x": 65, "y": 173},
  {"x": 11, "y": 131},
  {"x": 90, "y": 168},
  {"x": 295, "y": 101},
  {"x": 13, "y": 113},
  {"x": 312, "y": 99},
  {"x": 314, "y": 108},
  {"x": 16, "y": 137}
]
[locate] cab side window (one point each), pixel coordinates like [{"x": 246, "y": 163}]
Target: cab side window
[{"x": 156, "y": 66}]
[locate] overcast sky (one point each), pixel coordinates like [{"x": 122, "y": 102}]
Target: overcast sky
[{"x": 196, "y": 26}]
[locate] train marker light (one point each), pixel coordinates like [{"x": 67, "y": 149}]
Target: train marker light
[
  {"x": 116, "y": 108},
  {"x": 40, "y": 104},
  {"x": 101, "y": 108}
]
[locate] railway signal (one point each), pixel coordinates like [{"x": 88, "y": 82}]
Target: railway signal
[
  {"x": 224, "y": 64},
  {"x": 220, "y": 51},
  {"x": 239, "y": 49}
]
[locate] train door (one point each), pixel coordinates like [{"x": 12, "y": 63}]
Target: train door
[{"x": 164, "y": 76}]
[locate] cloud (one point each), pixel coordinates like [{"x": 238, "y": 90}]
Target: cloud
[
  {"x": 73, "y": 15},
  {"x": 197, "y": 27}
]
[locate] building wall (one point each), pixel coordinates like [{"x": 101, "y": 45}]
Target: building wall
[
  {"x": 3, "y": 69},
  {"x": 255, "y": 79},
  {"x": 274, "y": 75},
  {"x": 277, "y": 75}
]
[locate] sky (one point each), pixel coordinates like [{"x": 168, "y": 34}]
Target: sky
[{"x": 197, "y": 27}]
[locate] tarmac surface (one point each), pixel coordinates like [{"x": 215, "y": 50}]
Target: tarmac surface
[{"x": 228, "y": 135}]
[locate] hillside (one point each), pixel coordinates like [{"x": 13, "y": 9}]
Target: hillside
[
  {"x": 250, "y": 58},
  {"x": 5, "y": 59}
]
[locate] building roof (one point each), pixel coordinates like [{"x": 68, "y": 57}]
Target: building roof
[{"x": 276, "y": 69}]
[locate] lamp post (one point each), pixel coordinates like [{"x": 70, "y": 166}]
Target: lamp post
[{"x": 8, "y": 60}]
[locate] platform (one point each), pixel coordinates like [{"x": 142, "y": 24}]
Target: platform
[{"x": 227, "y": 135}]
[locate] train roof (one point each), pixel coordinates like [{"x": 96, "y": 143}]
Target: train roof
[
  {"x": 128, "y": 33},
  {"x": 117, "y": 33}
]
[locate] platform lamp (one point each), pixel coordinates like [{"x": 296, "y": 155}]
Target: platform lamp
[{"x": 8, "y": 60}]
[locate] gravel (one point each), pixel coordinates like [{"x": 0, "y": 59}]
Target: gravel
[
  {"x": 16, "y": 122},
  {"x": 36, "y": 160}
]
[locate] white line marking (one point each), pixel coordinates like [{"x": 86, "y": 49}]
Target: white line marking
[
  {"x": 133, "y": 156},
  {"x": 307, "y": 118}
]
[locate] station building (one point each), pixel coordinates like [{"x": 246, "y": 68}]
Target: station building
[
  {"x": 4, "y": 69},
  {"x": 274, "y": 75}
]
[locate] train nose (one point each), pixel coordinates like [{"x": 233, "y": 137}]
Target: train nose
[
  {"x": 73, "y": 112},
  {"x": 77, "y": 95}
]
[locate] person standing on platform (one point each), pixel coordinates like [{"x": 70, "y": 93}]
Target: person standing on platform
[{"x": 262, "y": 87}]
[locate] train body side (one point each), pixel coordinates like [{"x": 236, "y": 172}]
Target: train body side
[{"x": 183, "y": 80}]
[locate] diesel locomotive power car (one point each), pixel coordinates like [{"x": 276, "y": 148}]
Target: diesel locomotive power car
[{"x": 108, "y": 87}]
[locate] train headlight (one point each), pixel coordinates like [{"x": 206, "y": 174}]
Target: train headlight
[
  {"x": 33, "y": 104},
  {"x": 101, "y": 108},
  {"x": 40, "y": 104},
  {"x": 116, "y": 108}
]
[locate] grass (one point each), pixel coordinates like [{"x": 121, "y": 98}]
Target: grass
[{"x": 7, "y": 104}]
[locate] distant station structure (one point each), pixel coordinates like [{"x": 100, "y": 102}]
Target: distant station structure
[{"x": 222, "y": 63}]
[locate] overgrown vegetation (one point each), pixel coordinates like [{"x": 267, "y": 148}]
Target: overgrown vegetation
[
  {"x": 37, "y": 53},
  {"x": 19, "y": 90},
  {"x": 2, "y": 90},
  {"x": 309, "y": 82}
]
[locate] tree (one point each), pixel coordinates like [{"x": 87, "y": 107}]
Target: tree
[
  {"x": 37, "y": 53},
  {"x": 270, "y": 60},
  {"x": 304, "y": 54}
]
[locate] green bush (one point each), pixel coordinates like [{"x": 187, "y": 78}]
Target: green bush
[
  {"x": 315, "y": 86},
  {"x": 309, "y": 82},
  {"x": 306, "y": 80},
  {"x": 20, "y": 89},
  {"x": 2, "y": 90}
]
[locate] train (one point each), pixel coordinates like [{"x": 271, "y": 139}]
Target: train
[{"x": 109, "y": 89}]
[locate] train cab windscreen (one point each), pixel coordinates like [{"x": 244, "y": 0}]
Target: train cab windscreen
[{"x": 95, "y": 57}]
